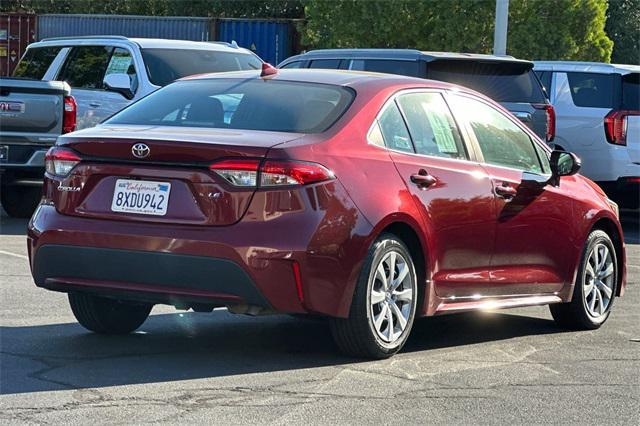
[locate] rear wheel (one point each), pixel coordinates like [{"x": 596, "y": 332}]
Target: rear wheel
[
  {"x": 595, "y": 286},
  {"x": 107, "y": 316},
  {"x": 384, "y": 303},
  {"x": 20, "y": 201}
]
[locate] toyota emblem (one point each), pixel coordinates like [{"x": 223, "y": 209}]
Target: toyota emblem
[{"x": 140, "y": 150}]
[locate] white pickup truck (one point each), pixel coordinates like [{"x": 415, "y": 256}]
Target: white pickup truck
[{"x": 84, "y": 80}]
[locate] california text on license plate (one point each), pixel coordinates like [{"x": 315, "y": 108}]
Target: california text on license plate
[{"x": 141, "y": 196}]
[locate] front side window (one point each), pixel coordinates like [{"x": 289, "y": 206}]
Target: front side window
[
  {"x": 431, "y": 125},
  {"x": 86, "y": 67},
  {"x": 247, "y": 104},
  {"x": 295, "y": 64},
  {"x": 394, "y": 131},
  {"x": 121, "y": 62},
  {"x": 36, "y": 62},
  {"x": 387, "y": 66},
  {"x": 591, "y": 90},
  {"x": 330, "y": 64},
  {"x": 167, "y": 65},
  {"x": 501, "y": 141}
]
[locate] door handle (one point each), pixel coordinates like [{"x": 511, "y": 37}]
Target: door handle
[
  {"x": 95, "y": 104},
  {"x": 506, "y": 191},
  {"x": 422, "y": 179}
]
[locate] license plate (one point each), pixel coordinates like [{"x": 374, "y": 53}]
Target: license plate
[
  {"x": 4, "y": 153},
  {"x": 141, "y": 197}
]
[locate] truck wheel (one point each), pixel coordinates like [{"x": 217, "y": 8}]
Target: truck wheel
[
  {"x": 107, "y": 316},
  {"x": 383, "y": 305},
  {"x": 20, "y": 201}
]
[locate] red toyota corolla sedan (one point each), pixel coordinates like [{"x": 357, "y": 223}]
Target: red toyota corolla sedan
[{"x": 367, "y": 198}]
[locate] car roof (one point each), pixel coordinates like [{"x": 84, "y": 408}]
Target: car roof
[
  {"x": 403, "y": 54},
  {"x": 599, "y": 67},
  {"x": 151, "y": 43},
  {"x": 329, "y": 76}
]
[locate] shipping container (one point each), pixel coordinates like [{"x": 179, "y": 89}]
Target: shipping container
[
  {"x": 273, "y": 41},
  {"x": 16, "y": 32},
  {"x": 171, "y": 27}
]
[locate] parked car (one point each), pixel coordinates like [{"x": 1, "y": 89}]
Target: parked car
[
  {"x": 370, "y": 199},
  {"x": 598, "y": 117},
  {"x": 105, "y": 74},
  {"x": 505, "y": 79}
]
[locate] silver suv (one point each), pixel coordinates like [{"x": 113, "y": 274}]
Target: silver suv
[{"x": 598, "y": 117}]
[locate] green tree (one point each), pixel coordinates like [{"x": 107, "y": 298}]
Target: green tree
[
  {"x": 623, "y": 27},
  {"x": 538, "y": 29}
]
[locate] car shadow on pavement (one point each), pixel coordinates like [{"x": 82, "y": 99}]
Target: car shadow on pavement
[{"x": 173, "y": 347}]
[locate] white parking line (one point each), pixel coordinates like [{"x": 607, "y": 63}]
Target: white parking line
[{"x": 20, "y": 256}]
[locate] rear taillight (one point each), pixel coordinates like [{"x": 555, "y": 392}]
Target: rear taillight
[
  {"x": 60, "y": 161},
  {"x": 248, "y": 173},
  {"x": 69, "y": 114},
  {"x": 551, "y": 120},
  {"x": 615, "y": 126}
]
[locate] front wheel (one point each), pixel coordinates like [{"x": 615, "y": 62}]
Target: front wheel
[
  {"x": 107, "y": 316},
  {"x": 384, "y": 303},
  {"x": 594, "y": 289}
]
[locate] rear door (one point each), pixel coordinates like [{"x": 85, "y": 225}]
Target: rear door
[
  {"x": 452, "y": 192},
  {"x": 512, "y": 84},
  {"x": 535, "y": 233}
]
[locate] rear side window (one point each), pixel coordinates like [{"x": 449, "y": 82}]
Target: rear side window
[
  {"x": 388, "y": 66},
  {"x": 86, "y": 67},
  {"x": 167, "y": 65},
  {"x": 545, "y": 79},
  {"x": 592, "y": 90},
  {"x": 631, "y": 92},
  {"x": 394, "y": 131},
  {"x": 503, "y": 82},
  {"x": 254, "y": 104},
  {"x": 36, "y": 62},
  {"x": 331, "y": 64},
  {"x": 431, "y": 125}
]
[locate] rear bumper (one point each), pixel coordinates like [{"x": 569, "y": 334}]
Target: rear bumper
[
  {"x": 22, "y": 164},
  {"x": 149, "y": 276}
]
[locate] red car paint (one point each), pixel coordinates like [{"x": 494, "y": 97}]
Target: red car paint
[{"x": 303, "y": 246}]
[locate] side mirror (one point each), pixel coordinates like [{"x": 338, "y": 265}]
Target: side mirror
[
  {"x": 119, "y": 83},
  {"x": 563, "y": 163}
]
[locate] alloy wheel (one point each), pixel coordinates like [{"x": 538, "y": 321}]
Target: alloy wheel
[{"x": 599, "y": 281}]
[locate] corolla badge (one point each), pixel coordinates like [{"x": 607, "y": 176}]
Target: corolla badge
[{"x": 140, "y": 150}]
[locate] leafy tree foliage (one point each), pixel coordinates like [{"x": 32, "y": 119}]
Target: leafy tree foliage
[
  {"x": 623, "y": 26},
  {"x": 538, "y": 29}
]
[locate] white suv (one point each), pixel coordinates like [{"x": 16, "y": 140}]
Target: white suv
[{"x": 598, "y": 117}]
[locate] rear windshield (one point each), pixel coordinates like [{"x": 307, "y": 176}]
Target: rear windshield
[
  {"x": 167, "y": 65},
  {"x": 631, "y": 91},
  {"x": 36, "y": 62},
  {"x": 249, "y": 104},
  {"x": 503, "y": 82}
]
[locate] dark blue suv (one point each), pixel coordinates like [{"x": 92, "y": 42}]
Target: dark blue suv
[{"x": 505, "y": 79}]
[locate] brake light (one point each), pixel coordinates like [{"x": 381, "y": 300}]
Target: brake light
[
  {"x": 615, "y": 126},
  {"x": 69, "y": 114},
  {"x": 551, "y": 120},
  {"x": 60, "y": 161},
  {"x": 247, "y": 173}
]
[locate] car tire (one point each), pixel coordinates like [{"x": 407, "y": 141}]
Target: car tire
[
  {"x": 377, "y": 303},
  {"x": 107, "y": 316},
  {"x": 20, "y": 201},
  {"x": 595, "y": 287}
]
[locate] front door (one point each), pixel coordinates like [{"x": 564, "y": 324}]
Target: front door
[{"x": 453, "y": 193}]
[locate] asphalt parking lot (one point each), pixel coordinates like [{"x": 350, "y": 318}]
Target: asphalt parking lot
[{"x": 498, "y": 367}]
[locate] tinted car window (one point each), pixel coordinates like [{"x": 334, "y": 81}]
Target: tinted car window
[
  {"x": 591, "y": 90},
  {"x": 296, "y": 64},
  {"x": 394, "y": 131},
  {"x": 254, "y": 104},
  {"x": 431, "y": 125},
  {"x": 631, "y": 91},
  {"x": 167, "y": 65},
  {"x": 326, "y": 64},
  {"x": 502, "y": 142},
  {"x": 121, "y": 62},
  {"x": 388, "y": 66},
  {"x": 545, "y": 79},
  {"x": 36, "y": 62},
  {"x": 86, "y": 66},
  {"x": 503, "y": 82}
]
